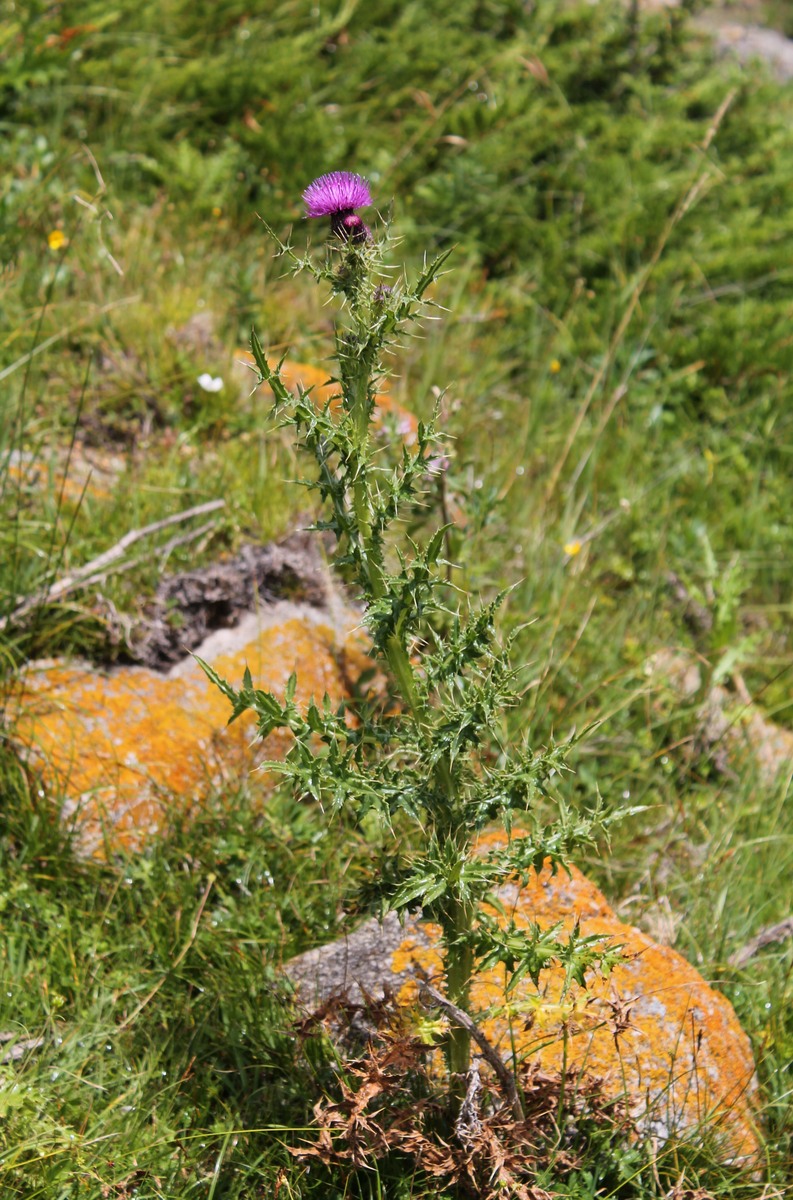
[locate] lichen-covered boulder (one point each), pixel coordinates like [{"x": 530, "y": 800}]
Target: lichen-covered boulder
[
  {"x": 125, "y": 748},
  {"x": 654, "y": 1032},
  {"x": 80, "y": 470}
]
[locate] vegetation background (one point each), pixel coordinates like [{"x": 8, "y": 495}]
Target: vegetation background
[{"x": 618, "y": 359}]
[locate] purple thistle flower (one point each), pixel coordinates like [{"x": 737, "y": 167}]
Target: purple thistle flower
[
  {"x": 337, "y": 195},
  {"x": 338, "y": 192}
]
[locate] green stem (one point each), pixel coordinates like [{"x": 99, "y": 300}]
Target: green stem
[
  {"x": 396, "y": 653},
  {"x": 401, "y": 669},
  {"x": 459, "y": 966},
  {"x": 459, "y": 922}
]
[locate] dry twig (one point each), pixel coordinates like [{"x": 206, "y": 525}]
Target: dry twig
[
  {"x": 98, "y": 567},
  {"x": 766, "y": 937},
  {"x": 489, "y": 1053},
  {"x": 468, "y": 1126},
  {"x": 18, "y": 1050}
]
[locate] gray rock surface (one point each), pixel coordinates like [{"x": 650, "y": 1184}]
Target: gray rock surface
[
  {"x": 753, "y": 43},
  {"x": 355, "y": 966}
]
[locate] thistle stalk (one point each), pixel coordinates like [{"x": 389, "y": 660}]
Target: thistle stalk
[
  {"x": 358, "y": 357},
  {"x": 359, "y": 401},
  {"x": 457, "y": 929},
  {"x": 423, "y": 764}
]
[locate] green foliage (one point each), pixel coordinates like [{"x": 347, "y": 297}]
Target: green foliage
[
  {"x": 431, "y": 760},
  {"x": 146, "y": 986},
  {"x": 554, "y": 177}
]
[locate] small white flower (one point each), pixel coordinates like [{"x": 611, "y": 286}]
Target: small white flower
[{"x": 208, "y": 383}]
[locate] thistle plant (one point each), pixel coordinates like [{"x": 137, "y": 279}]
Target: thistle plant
[{"x": 431, "y": 759}]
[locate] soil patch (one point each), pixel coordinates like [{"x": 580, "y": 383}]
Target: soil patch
[{"x": 190, "y": 606}]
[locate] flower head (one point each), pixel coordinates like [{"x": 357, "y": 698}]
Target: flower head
[
  {"x": 208, "y": 383},
  {"x": 338, "y": 193},
  {"x": 56, "y": 240},
  {"x": 337, "y": 196}
]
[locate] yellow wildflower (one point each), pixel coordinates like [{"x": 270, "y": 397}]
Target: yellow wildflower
[
  {"x": 572, "y": 548},
  {"x": 556, "y": 366},
  {"x": 710, "y": 459},
  {"x": 217, "y": 212},
  {"x": 56, "y": 240}
]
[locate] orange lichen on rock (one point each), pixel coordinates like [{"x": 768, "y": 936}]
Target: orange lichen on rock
[
  {"x": 420, "y": 955},
  {"x": 653, "y": 1031},
  {"x": 72, "y": 472},
  {"x": 123, "y": 747}
]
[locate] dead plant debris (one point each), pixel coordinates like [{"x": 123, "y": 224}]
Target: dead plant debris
[{"x": 391, "y": 1101}]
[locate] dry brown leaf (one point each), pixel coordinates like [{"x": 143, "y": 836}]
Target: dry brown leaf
[{"x": 389, "y": 1102}]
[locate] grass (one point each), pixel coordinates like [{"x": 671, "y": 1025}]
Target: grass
[{"x": 553, "y": 149}]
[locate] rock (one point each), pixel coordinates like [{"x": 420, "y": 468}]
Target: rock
[
  {"x": 198, "y": 336},
  {"x": 129, "y": 748},
  {"x": 736, "y": 34},
  {"x": 78, "y": 469},
  {"x": 731, "y": 729},
  {"x": 751, "y": 44},
  {"x": 654, "y": 1033}
]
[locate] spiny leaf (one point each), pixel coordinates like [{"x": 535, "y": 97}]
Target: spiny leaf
[{"x": 281, "y": 392}]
